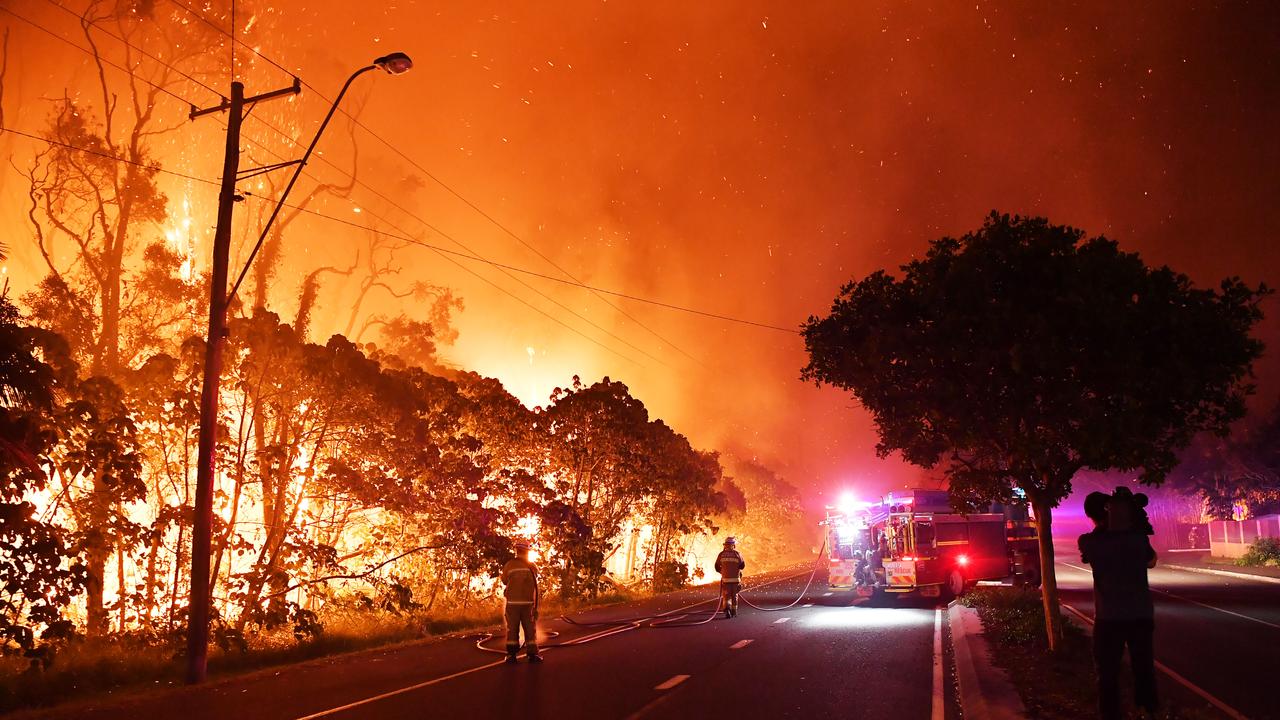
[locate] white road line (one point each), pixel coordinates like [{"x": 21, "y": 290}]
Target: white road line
[
  {"x": 1214, "y": 607},
  {"x": 807, "y": 605},
  {"x": 1225, "y": 708},
  {"x": 779, "y": 621},
  {"x": 939, "y": 699},
  {"x": 401, "y": 691},
  {"x": 826, "y": 594},
  {"x": 674, "y": 681},
  {"x": 478, "y": 668},
  {"x": 1201, "y": 604},
  {"x": 740, "y": 644},
  {"x": 1223, "y": 573}
]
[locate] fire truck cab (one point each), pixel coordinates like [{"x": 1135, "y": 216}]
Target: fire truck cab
[{"x": 914, "y": 542}]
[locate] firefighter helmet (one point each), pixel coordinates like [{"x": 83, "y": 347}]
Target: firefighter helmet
[
  {"x": 522, "y": 545},
  {"x": 730, "y": 541}
]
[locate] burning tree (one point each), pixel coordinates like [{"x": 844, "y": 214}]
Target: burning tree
[
  {"x": 38, "y": 576},
  {"x": 1024, "y": 352}
]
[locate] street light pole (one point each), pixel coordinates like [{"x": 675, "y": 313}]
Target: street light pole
[
  {"x": 393, "y": 64},
  {"x": 198, "y": 611}
]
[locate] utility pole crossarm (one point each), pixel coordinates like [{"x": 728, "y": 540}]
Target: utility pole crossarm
[{"x": 225, "y": 105}]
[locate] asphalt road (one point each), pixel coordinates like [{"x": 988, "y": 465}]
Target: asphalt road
[
  {"x": 1219, "y": 634},
  {"x": 821, "y": 658}
]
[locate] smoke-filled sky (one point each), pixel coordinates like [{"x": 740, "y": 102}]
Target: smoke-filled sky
[{"x": 741, "y": 158}]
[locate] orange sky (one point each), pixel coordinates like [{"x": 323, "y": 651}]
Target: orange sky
[{"x": 743, "y": 158}]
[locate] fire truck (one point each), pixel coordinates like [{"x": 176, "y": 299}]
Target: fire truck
[{"x": 914, "y": 542}]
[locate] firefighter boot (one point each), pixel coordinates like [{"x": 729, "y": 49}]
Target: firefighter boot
[
  {"x": 535, "y": 658},
  {"x": 511, "y": 657}
]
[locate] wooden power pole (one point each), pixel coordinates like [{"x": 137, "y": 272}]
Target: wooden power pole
[{"x": 198, "y": 611}]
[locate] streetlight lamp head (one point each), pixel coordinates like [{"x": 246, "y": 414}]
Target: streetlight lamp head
[{"x": 397, "y": 63}]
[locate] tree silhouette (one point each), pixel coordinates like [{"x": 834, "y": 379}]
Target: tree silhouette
[
  {"x": 38, "y": 573},
  {"x": 1023, "y": 352}
]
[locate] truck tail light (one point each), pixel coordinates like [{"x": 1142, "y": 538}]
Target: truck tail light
[{"x": 962, "y": 560}]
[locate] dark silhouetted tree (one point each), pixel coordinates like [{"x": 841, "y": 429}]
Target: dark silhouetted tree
[
  {"x": 1023, "y": 352},
  {"x": 39, "y": 574}
]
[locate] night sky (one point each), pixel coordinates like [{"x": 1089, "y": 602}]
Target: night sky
[{"x": 741, "y": 158}]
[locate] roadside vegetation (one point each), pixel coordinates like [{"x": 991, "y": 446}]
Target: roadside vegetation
[{"x": 1265, "y": 552}]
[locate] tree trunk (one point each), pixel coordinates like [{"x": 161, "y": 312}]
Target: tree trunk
[
  {"x": 149, "y": 595},
  {"x": 97, "y": 552},
  {"x": 1048, "y": 577},
  {"x": 96, "y": 555},
  {"x": 122, "y": 604},
  {"x": 179, "y": 562}
]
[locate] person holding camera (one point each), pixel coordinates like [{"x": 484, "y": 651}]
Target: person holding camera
[{"x": 1120, "y": 553}]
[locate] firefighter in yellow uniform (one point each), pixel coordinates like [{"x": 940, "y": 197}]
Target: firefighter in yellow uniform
[
  {"x": 729, "y": 564},
  {"x": 520, "y": 590}
]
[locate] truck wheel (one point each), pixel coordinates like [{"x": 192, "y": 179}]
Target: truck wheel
[
  {"x": 955, "y": 584},
  {"x": 1031, "y": 576}
]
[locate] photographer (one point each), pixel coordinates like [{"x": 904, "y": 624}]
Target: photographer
[{"x": 1119, "y": 556}]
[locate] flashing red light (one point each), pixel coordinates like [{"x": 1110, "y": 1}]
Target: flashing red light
[{"x": 962, "y": 560}]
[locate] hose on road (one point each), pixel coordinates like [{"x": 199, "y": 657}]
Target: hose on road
[
  {"x": 817, "y": 563},
  {"x": 667, "y": 619}
]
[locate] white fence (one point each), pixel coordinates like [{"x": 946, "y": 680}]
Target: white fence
[{"x": 1231, "y": 538}]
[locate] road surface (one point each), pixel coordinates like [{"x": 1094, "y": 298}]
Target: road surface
[
  {"x": 1218, "y": 634},
  {"x": 822, "y": 658}
]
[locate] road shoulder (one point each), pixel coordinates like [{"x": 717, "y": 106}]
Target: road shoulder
[{"x": 985, "y": 690}]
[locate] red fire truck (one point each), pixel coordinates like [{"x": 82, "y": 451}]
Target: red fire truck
[{"x": 914, "y": 541}]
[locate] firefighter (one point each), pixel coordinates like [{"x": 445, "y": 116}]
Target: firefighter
[
  {"x": 520, "y": 590},
  {"x": 729, "y": 564}
]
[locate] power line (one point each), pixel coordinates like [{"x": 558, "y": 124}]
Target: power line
[
  {"x": 189, "y": 104},
  {"x": 352, "y": 177},
  {"x": 97, "y": 57},
  {"x": 125, "y": 42},
  {"x": 470, "y": 255},
  {"x": 154, "y": 166},
  {"x": 544, "y": 276},
  {"x": 428, "y": 245},
  {"x": 437, "y": 180},
  {"x": 464, "y": 247},
  {"x": 444, "y": 253}
]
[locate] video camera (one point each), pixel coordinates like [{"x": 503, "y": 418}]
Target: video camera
[{"x": 1138, "y": 508}]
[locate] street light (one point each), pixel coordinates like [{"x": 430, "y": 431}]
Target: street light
[
  {"x": 396, "y": 63},
  {"x": 219, "y": 300}
]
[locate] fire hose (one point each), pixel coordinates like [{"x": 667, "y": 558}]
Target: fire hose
[
  {"x": 816, "y": 564},
  {"x": 657, "y": 620}
]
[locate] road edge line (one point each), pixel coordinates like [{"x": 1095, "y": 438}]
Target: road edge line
[
  {"x": 939, "y": 699},
  {"x": 1223, "y": 573},
  {"x": 1176, "y": 676},
  {"x": 400, "y": 691}
]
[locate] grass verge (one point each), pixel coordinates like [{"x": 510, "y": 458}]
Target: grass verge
[{"x": 1053, "y": 686}]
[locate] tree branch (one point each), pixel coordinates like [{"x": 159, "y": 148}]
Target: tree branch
[{"x": 354, "y": 576}]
